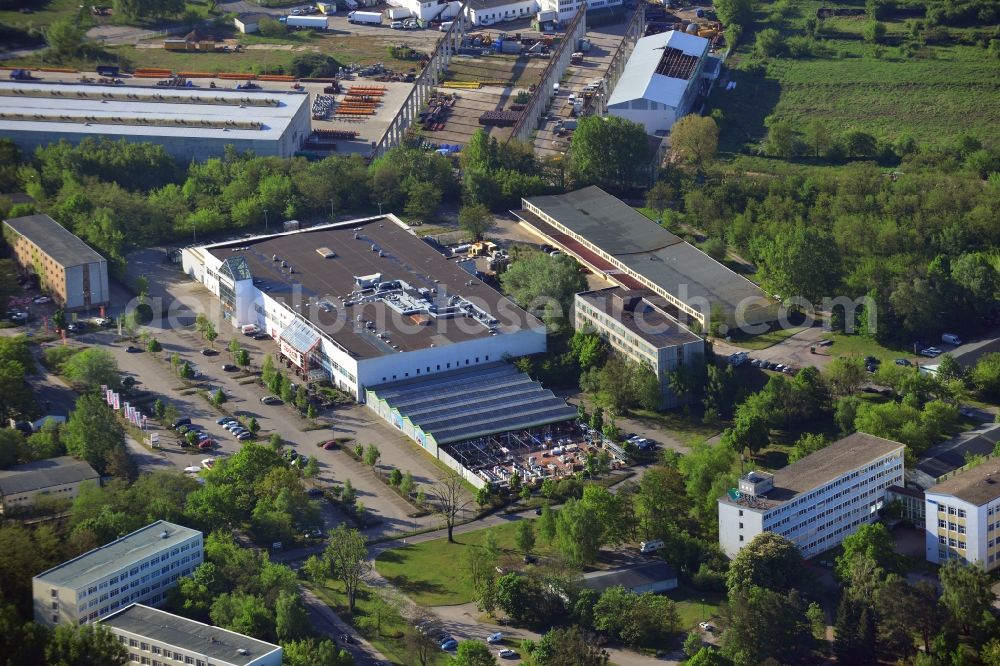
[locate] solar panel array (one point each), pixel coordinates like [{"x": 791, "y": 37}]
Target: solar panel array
[{"x": 477, "y": 402}]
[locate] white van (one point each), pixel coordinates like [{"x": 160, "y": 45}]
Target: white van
[
  {"x": 650, "y": 546},
  {"x": 951, "y": 339},
  {"x": 446, "y": 26},
  {"x": 249, "y": 329}
]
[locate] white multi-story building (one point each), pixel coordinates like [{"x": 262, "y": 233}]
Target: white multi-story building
[
  {"x": 158, "y": 638},
  {"x": 567, "y": 9},
  {"x": 636, "y": 325},
  {"x": 817, "y": 501},
  {"x": 963, "y": 517},
  {"x": 138, "y": 568},
  {"x": 363, "y": 303}
]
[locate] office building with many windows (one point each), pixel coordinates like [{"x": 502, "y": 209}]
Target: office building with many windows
[
  {"x": 817, "y": 501},
  {"x": 138, "y": 568},
  {"x": 963, "y": 517},
  {"x": 636, "y": 325},
  {"x": 157, "y": 638}
]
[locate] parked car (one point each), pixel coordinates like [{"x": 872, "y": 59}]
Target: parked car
[
  {"x": 931, "y": 352},
  {"x": 507, "y": 653},
  {"x": 229, "y": 367},
  {"x": 270, "y": 400},
  {"x": 132, "y": 350},
  {"x": 706, "y": 626},
  {"x": 106, "y": 322},
  {"x": 495, "y": 638},
  {"x": 947, "y": 338},
  {"x": 332, "y": 444},
  {"x": 206, "y": 444},
  {"x": 315, "y": 492},
  {"x": 209, "y": 352},
  {"x": 261, "y": 336},
  {"x": 903, "y": 362},
  {"x": 207, "y": 463},
  {"x": 226, "y": 419},
  {"x": 449, "y": 645},
  {"x": 41, "y": 300},
  {"x": 244, "y": 436},
  {"x": 183, "y": 421}
]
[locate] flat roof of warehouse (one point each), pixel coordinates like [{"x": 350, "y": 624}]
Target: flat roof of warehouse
[
  {"x": 54, "y": 240},
  {"x": 99, "y": 562},
  {"x": 466, "y": 404},
  {"x": 80, "y": 108},
  {"x": 643, "y": 246},
  {"x": 167, "y": 629},
  {"x": 323, "y": 289},
  {"x": 650, "y": 320}
]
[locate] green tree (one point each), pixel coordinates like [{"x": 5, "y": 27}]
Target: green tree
[
  {"x": 154, "y": 346},
  {"x": 242, "y": 358},
  {"x": 210, "y": 334},
  {"x": 817, "y": 621},
  {"x": 423, "y": 198},
  {"x": 660, "y": 196},
  {"x": 769, "y": 43},
  {"x": 64, "y": 37},
  {"x": 269, "y": 27},
  {"x": 544, "y": 285},
  {"x": 708, "y": 657},
  {"x": 186, "y": 371},
  {"x": 695, "y": 139},
  {"x": 569, "y": 646},
  {"x": 16, "y": 398},
  {"x": 854, "y": 633},
  {"x": 693, "y": 643},
  {"x": 12, "y": 447},
  {"x": 870, "y": 540},
  {"x": 817, "y": 136},
  {"x": 20, "y": 642},
  {"x": 807, "y": 444},
  {"x": 472, "y": 653},
  {"x": 219, "y": 397},
  {"x": 767, "y": 625},
  {"x": 406, "y": 484},
  {"x": 372, "y": 455},
  {"x": 966, "y": 595},
  {"x": 450, "y": 501},
  {"x": 91, "y": 368},
  {"x": 845, "y": 375},
  {"x": 735, "y": 12},
  {"x": 611, "y": 152},
  {"x": 635, "y": 619},
  {"x": 874, "y": 32},
  {"x": 769, "y": 561},
  {"x": 799, "y": 262},
  {"x": 291, "y": 620},
  {"x": 985, "y": 376},
  {"x": 781, "y": 140},
  {"x": 524, "y": 537},
  {"x": 314, "y": 652},
  {"x": 347, "y": 554},
  {"x": 85, "y": 645},
  {"x": 578, "y": 533},
  {"x": 476, "y": 220},
  {"x": 484, "y": 496},
  {"x": 749, "y": 430},
  {"x": 93, "y": 432},
  {"x": 547, "y": 524}
]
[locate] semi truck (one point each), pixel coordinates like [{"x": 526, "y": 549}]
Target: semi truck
[
  {"x": 316, "y": 22},
  {"x": 368, "y": 18}
]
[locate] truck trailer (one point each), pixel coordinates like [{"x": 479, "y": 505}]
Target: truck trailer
[
  {"x": 316, "y": 22},
  {"x": 398, "y": 13},
  {"x": 368, "y": 18}
]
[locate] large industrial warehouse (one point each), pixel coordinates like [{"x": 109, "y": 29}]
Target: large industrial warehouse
[
  {"x": 372, "y": 308},
  {"x": 661, "y": 80},
  {"x": 363, "y": 303},
  {"x": 192, "y": 124},
  {"x": 630, "y": 250}
]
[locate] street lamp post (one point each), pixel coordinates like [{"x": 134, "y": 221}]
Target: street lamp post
[
  {"x": 265, "y": 220},
  {"x": 379, "y": 207}
]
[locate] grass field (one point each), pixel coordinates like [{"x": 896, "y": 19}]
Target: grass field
[
  {"x": 43, "y": 13},
  {"x": 391, "y": 640},
  {"x": 695, "y": 606},
  {"x": 432, "y": 573},
  {"x": 522, "y": 72},
  {"x": 934, "y": 94},
  {"x": 688, "y": 430}
]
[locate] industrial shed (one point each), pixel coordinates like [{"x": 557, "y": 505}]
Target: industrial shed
[{"x": 662, "y": 78}]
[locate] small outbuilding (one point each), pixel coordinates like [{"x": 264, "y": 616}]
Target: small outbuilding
[
  {"x": 249, "y": 22},
  {"x": 655, "y": 576}
]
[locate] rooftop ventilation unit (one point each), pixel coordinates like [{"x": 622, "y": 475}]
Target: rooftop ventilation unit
[{"x": 326, "y": 252}]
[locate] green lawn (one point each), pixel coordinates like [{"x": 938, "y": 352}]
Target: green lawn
[
  {"x": 769, "y": 339},
  {"x": 391, "y": 640},
  {"x": 433, "y": 573},
  {"x": 934, "y": 94},
  {"x": 43, "y": 13},
  {"x": 695, "y": 606},
  {"x": 858, "y": 345}
]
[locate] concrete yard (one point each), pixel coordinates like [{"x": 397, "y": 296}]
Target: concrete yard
[{"x": 604, "y": 41}]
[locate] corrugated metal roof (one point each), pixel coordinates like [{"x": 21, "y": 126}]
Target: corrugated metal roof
[
  {"x": 485, "y": 400},
  {"x": 640, "y": 79}
]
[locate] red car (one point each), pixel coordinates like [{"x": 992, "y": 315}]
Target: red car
[
  {"x": 332, "y": 444},
  {"x": 206, "y": 444}
]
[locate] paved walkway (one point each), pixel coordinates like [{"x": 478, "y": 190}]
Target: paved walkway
[{"x": 325, "y": 620}]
